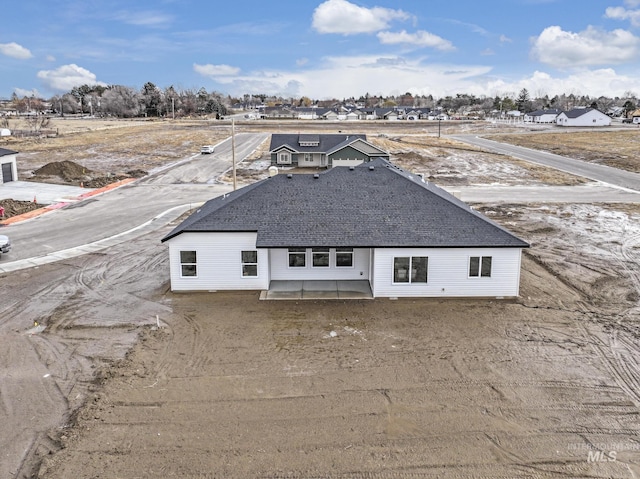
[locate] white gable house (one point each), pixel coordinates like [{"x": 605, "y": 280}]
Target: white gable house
[
  {"x": 586, "y": 117},
  {"x": 374, "y": 225}
]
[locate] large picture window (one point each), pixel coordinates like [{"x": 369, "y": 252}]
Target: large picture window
[
  {"x": 480, "y": 266},
  {"x": 249, "y": 264},
  {"x": 344, "y": 257},
  {"x": 320, "y": 257},
  {"x": 188, "y": 264},
  {"x": 410, "y": 269},
  {"x": 297, "y": 257}
]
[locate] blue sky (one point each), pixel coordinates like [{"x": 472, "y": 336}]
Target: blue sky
[{"x": 324, "y": 48}]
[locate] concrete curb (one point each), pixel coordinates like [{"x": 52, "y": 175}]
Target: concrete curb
[
  {"x": 146, "y": 227},
  {"x": 40, "y": 211}
]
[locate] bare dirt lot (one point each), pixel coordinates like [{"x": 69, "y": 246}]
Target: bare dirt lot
[
  {"x": 618, "y": 149},
  {"x": 135, "y": 381}
]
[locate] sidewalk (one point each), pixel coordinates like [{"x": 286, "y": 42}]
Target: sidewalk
[{"x": 48, "y": 193}]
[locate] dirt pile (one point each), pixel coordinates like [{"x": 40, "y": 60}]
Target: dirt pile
[
  {"x": 69, "y": 172},
  {"x": 16, "y": 207}
]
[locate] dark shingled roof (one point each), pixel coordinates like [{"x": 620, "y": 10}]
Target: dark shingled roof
[
  {"x": 326, "y": 142},
  {"x": 5, "y": 152},
  {"x": 577, "y": 112},
  {"x": 375, "y": 204}
]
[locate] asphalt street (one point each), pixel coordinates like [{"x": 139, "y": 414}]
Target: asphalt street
[
  {"x": 119, "y": 214},
  {"x": 605, "y": 174}
]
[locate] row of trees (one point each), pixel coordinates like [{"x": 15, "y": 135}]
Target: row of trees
[
  {"x": 151, "y": 101},
  {"x": 125, "y": 102}
]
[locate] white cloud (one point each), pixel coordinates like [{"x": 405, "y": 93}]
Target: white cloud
[
  {"x": 393, "y": 75},
  {"x": 605, "y": 81},
  {"x": 21, "y": 92},
  {"x": 590, "y": 47},
  {"x": 341, "y": 16},
  {"x": 144, "y": 19},
  {"x": 66, "y": 77},
  {"x": 419, "y": 39},
  {"x": 51, "y": 58},
  {"x": 505, "y": 39},
  {"x": 302, "y": 61},
  {"x": 621, "y": 13},
  {"x": 14, "y": 50},
  {"x": 213, "y": 71},
  {"x": 384, "y": 75}
]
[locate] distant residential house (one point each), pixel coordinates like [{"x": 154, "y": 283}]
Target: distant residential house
[
  {"x": 330, "y": 115},
  {"x": 311, "y": 113},
  {"x": 374, "y": 224},
  {"x": 542, "y": 116},
  {"x": 352, "y": 115},
  {"x": 391, "y": 115},
  {"x": 315, "y": 150},
  {"x": 583, "y": 117},
  {"x": 8, "y": 165},
  {"x": 279, "y": 112},
  {"x": 634, "y": 116}
]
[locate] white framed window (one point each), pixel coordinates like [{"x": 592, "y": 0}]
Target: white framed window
[
  {"x": 249, "y": 264},
  {"x": 308, "y": 157},
  {"x": 188, "y": 264},
  {"x": 297, "y": 258},
  {"x": 344, "y": 257},
  {"x": 410, "y": 269},
  {"x": 480, "y": 266},
  {"x": 284, "y": 158},
  {"x": 320, "y": 257}
]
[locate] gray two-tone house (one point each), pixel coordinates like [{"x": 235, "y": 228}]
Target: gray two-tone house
[
  {"x": 321, "y": 150},
  {"x": 374, "y": 224}
]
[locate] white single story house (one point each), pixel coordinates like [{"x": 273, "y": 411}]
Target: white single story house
[
  {"x": 8, "y": 165},
  {"x": 542, "y": 116},
  {"x": 583, "y": 117},
  {"x": 374, "y": 224}
]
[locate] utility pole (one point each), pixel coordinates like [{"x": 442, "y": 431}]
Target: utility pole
[
  {"x": 173, "y": 108},
  {"x": 233, "y": 151}
]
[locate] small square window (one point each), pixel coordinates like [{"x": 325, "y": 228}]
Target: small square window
[
  {"x": 480, "y": 266},
  {"x": 249, "y": 264},
  {"x": 320, "y": 257},
  {"x": 297, "y": 257},
  {"x": 188, "y": 264},
  {"x": 344, "y": 257}
]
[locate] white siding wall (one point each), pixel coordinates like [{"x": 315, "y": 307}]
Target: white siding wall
[
  {"x": 219, "y": 262},
  {"x": 280, "y": 267},
  {"x": 316, "y": 160},
  {"x": 585, "y": 120},
  {"x": 14, "y": 167},
  {"x": 448, "y": 273},
  {"x": 337, "y": 162}
]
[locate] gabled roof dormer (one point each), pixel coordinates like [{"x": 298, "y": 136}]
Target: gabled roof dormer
[{"x": 308, "y": 140}]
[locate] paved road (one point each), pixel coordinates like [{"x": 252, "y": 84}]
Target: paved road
[
  {"x": 130, "y": 210},
  {"x": 606, "y": 174}
]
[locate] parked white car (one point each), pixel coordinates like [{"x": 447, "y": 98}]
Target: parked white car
[
  {"x": 207, "y": 149},
  {"x": 5, "y": 244}
]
